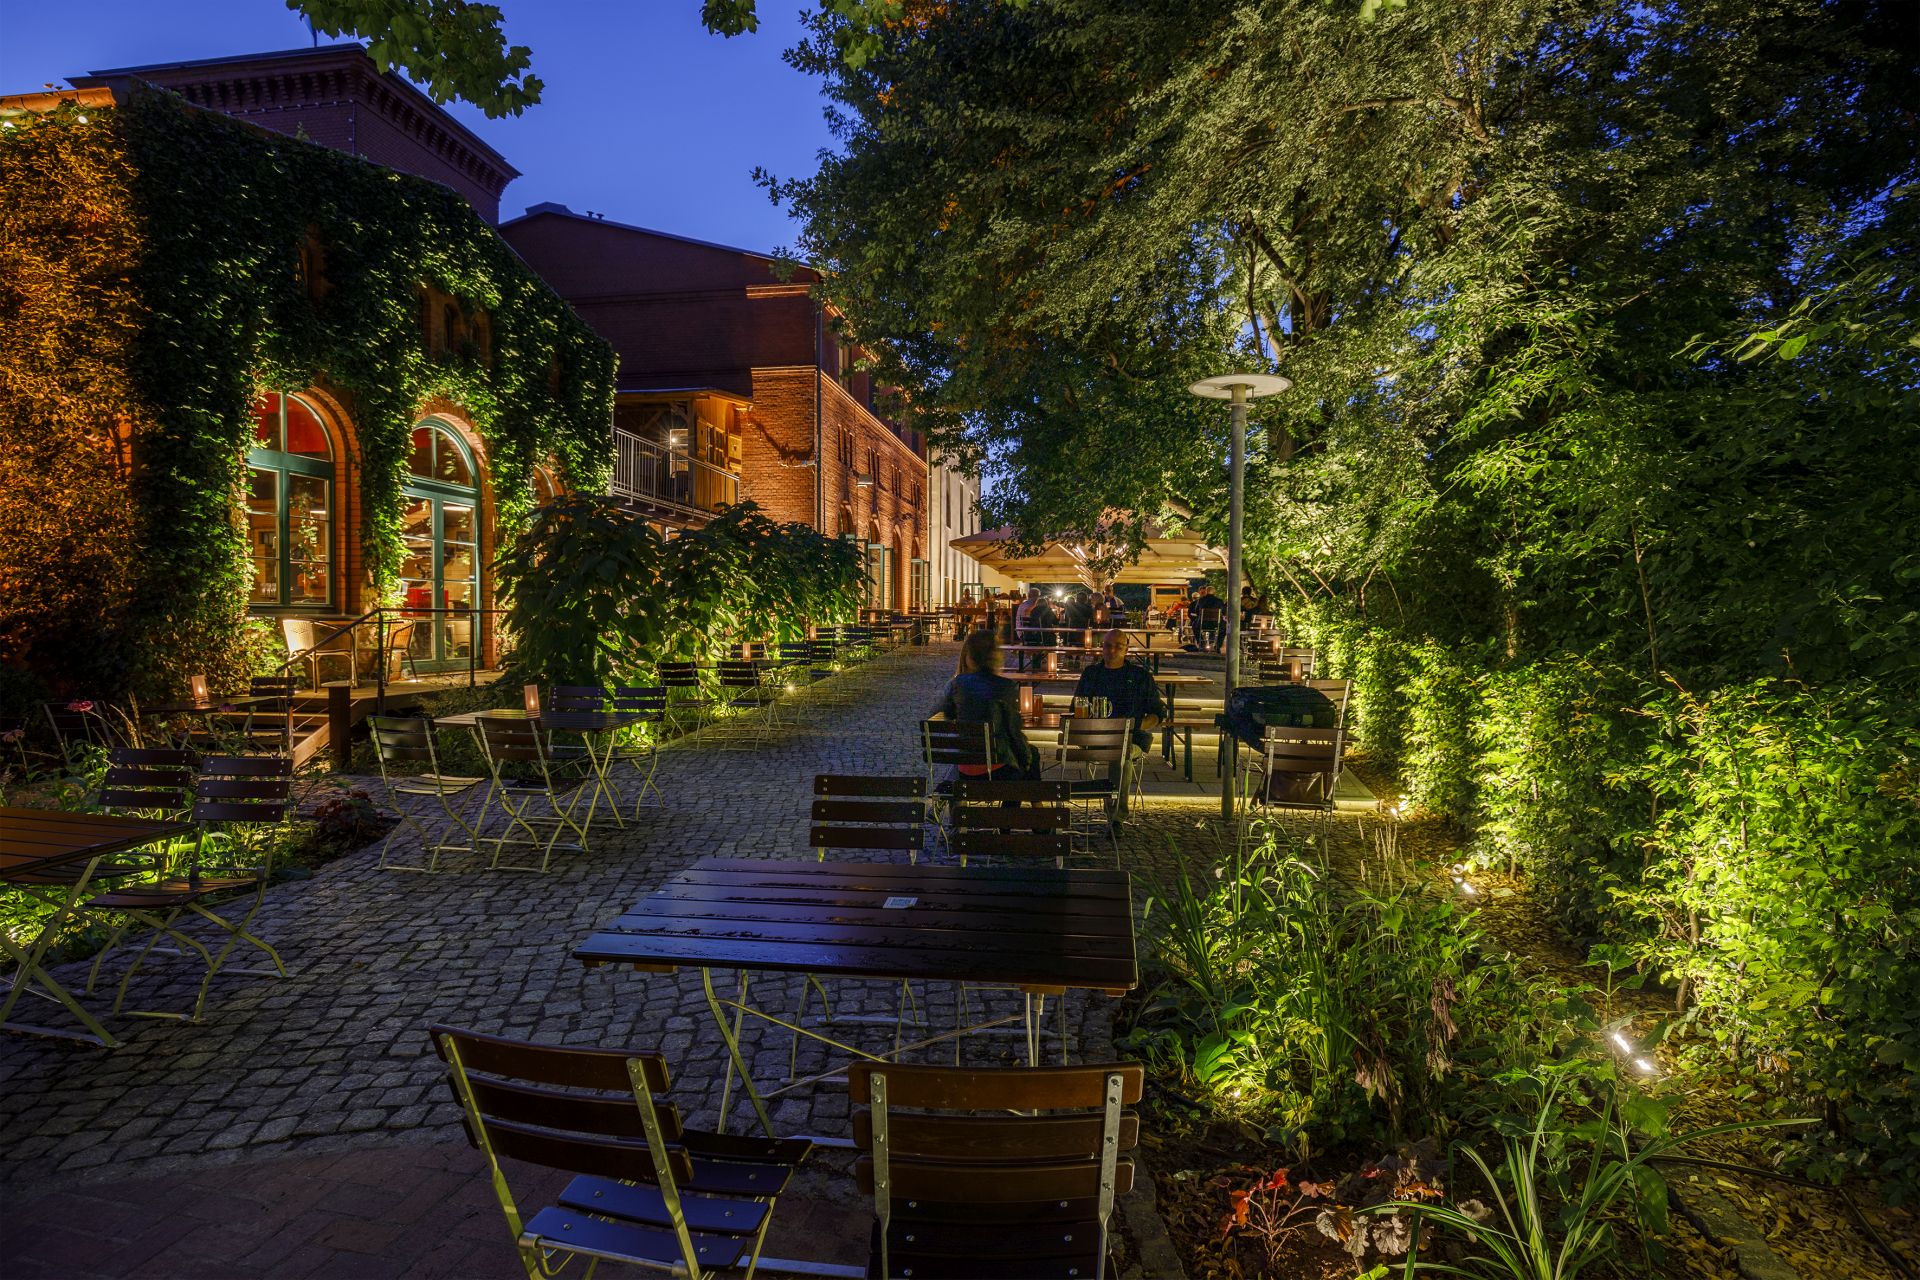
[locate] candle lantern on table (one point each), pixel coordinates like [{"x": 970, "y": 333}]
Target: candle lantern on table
[
  {"x": 530, "y": 698},
  {"x": 199, "y": 687},
  {"x": 1029, "y": 701}
]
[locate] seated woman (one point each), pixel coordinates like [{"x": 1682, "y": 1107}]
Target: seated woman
[{"x": 978, "y": 694}]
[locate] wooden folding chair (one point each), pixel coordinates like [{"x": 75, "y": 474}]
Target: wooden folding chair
[
  {"x": 745, "y": 692},
  {"x": 1023, "y": 820},
  {"x": 641, "y": 752},
  {"x": 996, "y": 1172},
  {"x": 685, "y": 692},
  {"x": 515, "y": 744},
  {"x": 428, "y": 803},
  {"x": 144, "y": 783},
  {"x": 236, "y": 795},
  {"x": 867, "y": 812},
  {"x": 1337, "y": 692},
  {"x": 952, "y": 745},
  {"x": 1298, "y": 771},
  {"x": 647, "y": 1190},
  {"x": 1098, "y": 749}
]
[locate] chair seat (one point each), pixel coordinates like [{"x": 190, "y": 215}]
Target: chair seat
[
  {"x": 735, "y": 1178},
  {"x": 170, "y": 893},
  {"x": 639, "y": 1203},
  {"x": 734, "y": 1146},
  {"x": 70, "y": 874},
  {"x": 616, "y": 1241},
  {"x": 433, "y": 784},
  {"x": 1090, "y": 788},
  {"x": 1063, "y": 1249}
]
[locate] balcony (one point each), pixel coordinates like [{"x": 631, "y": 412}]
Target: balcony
[{"x": 647, "y": 473}]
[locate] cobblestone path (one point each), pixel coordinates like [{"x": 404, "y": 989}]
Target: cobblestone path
[{"x": 305, "y": 1128}]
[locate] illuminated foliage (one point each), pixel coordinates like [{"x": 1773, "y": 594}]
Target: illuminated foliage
[{"x": 166, "y": 276}]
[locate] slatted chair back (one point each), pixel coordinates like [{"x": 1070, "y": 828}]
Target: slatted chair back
[
  {"x": 736, "y": 674},
  {"x": 795, "y": 651},
  {"x": 1337, "y": 692},
  {"x": 147, "y": 781},
  {"x": 1094, "y": 740},
  {"x": 1301, "y": 660},
  {"x": 866, "y": 811},
  {"x": 956, "y": 743},
  {"x": 1302, "y": 766},
  {"x": 822, "y": 652},
  {"x": 1275, "y": 671},
  {"x": 993, "y": 1172},
  {"x": 509, "y": 738},
  {"x": 647, "y": 700},
  {"x": 1012, "y": 819},
  {"x": 403, "y": 740},
  {"x": 576, "y": 697},
  {"x": 678, "y": 675},
  {"x": 243, "y": 791}
]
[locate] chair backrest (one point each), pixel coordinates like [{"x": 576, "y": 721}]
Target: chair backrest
[
  {"x": 736, "y": 674},
  {"x": 576, "y": 697},
  {"x": 795, "y": 650},
  {"x": 678, "y": 675},
  {"x": 866, "y": 811},
  {"x": 956, "y": 742},
  {"x": 649, "y": 700},
  {"x": 247, "y": 790},
  {"x": 1012, "y": 819},
  {"x": 298, "y": 633},
  {"x": 1338, "y": 692},
  {"x": 950, "y": 1135},
  {"x": 511, "y": 738},
  {"x": 402, "y": 739},
  {"x": 1094, "y": 739},
  {"x": 149, "y": 780},
  {"x": 1276, "y": 671},
  {"x": 1302, "y": 764},
  {"x": 581, "y": 1110},
  {"x": 400, "y": 636}
]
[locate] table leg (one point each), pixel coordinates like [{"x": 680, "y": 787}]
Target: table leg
[
  {"x": 29, "y": 969},
  {"x": 732, "y": 1036}
]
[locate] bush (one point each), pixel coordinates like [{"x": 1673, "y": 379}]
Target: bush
[{"x": 1443, "y": 704}]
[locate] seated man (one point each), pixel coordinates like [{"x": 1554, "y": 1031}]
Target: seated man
[{"x": 1130, "y": 692}]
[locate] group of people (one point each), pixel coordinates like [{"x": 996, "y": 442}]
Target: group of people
[
  {"x": 1207, "y": 614},
  {"x": 978, "y": 693},
  {"x": 1036, "y": 621}
]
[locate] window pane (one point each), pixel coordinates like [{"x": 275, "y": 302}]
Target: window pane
[
  {"x": 309, "y": 538},
  {"x": 266, "y": 422},
  {"x": 456, "y": 523},
  {"x": 305, "y": 435},
  {"x": 308, "y": 583},
  {"x": 450, "y": 466},
  {"x": 416, "y": 533},
  {"x": 421, "y": 463}
]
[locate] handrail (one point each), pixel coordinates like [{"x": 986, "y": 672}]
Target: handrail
[{"x": 406, "y": 613}]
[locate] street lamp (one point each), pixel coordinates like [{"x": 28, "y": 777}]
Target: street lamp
[{"x": 1238, "y": 388}]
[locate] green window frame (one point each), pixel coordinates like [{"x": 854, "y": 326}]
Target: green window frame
[{"x": 289, "y": 505}]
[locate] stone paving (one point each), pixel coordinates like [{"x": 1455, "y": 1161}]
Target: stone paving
[{"x": 305, "y": 1128}]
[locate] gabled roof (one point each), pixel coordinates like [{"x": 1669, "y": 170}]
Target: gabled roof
[{"x": 554, "y": 209}]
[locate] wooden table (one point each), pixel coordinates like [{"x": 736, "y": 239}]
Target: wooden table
[
  {"x": 1041, "y": 930},
  {"x": 51, "y": 855},
  {"x": 1167, "y": 680},
  {"x": 1020, "y": 652}
]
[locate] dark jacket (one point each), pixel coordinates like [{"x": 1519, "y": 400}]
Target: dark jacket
[
  {"x": 981, "y": 696},
  {"x": 1131, "y": 690}
]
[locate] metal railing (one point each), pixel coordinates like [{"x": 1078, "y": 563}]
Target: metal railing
[
  {"x": 379, "y": 622},
  {"x": 649, "y": 471}
]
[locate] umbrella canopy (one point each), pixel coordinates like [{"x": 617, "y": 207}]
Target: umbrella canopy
[{"x": 1172, "y": 558}]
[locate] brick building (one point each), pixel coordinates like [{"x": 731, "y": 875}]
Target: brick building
[
  {"x": 714, "y": 340},
  {"x": 334, "y": 95}
]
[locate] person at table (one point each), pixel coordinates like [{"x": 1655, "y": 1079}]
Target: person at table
[
  {"x": 1078, "y": 615},
  {"x": 1129, "y": 692},
  {"x": 1116, "y": 608},
  {"x": 1209, "y": 621},
  {"x": 979, "y": 694},
  {"x": 1024, "y": 624}
]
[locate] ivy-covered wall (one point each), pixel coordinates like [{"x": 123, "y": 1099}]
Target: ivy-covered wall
[{"x": 157, "y": 271}]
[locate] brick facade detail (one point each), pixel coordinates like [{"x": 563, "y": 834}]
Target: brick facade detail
[{"x": 334, "y": 95}]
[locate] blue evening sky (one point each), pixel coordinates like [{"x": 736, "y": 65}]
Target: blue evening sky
[{"x": 646, "y": 118}]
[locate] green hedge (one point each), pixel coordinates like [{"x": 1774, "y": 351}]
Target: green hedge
[{"x": 1757, "y": 847}]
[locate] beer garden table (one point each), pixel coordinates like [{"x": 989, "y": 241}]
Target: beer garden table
[
  {"x": 52, "y": 855},
  {"x": 1040, "y": 930}
]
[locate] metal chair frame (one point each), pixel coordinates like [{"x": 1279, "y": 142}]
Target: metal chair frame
[
  {"x": 951, "y": 744},
  {"x": 647, "y": 1190},
  {"x": 416, "y": 798},
  {"x": 641, "y": 753},
  {"x": 505, "y": 740}
]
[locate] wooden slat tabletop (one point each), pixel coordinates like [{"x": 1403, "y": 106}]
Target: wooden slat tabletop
[
  {"x": 35, "y": 839},
  {"x": 1028, "y": 926}
]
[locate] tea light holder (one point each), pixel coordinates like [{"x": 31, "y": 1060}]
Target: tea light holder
[
  {"x": 199, "y": 686},
  {"x": 530, "y": 698},
  {"x": 1029, "y": 700}
]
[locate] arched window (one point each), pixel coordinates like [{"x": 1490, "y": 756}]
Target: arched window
[
  {"x": 545, "y": 487},
  {"x": 440, "y": 527},
  {"x": 290, "y": 504}
]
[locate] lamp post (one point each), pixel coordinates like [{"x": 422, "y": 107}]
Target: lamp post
[{"x": 1238, "y": 388}]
